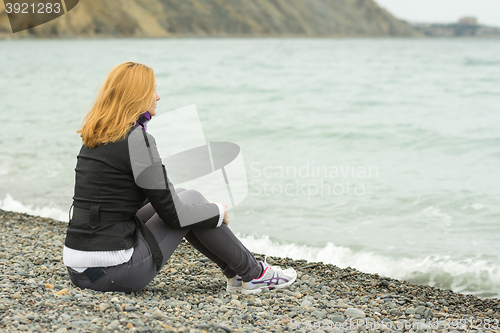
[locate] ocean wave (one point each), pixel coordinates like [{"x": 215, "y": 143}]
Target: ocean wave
[
  {"x": 51, "y": 211},
  {"x": 476, "y": 275},
  {"x": 480, "y": 62}
]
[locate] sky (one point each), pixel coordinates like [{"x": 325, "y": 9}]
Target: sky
[{"x": 444, "y": 11}]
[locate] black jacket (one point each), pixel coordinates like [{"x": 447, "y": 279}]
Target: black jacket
[{"x": 112, "y": 181}]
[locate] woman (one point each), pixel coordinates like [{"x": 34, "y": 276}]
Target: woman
[{"x": 127, "y": 217}]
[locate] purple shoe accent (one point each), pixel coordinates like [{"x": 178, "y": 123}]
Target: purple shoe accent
[
  {"x": 274, "y": 280},
  {"x": 238, "y": 278}
]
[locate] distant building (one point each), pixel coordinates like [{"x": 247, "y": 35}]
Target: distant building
[
  {"x": 465, "y": 27},
  {"x": 468, "y": 20}
]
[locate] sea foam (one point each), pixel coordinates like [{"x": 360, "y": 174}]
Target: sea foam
[
  {"x": 51, "y": 210},
  {"x": 471, "y": 275}
]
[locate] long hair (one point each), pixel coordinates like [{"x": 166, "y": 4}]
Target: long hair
[{"x": 127, "y": 92}]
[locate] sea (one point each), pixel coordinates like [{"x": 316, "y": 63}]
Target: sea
[{"x": 376, "y": 154}]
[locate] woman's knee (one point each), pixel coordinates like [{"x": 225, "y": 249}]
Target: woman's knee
[
  {"x": 192, "y": 196},
  {"x": 146, "y": 212}
]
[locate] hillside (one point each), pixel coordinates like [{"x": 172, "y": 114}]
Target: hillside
[{"x": 219, "y": 18}]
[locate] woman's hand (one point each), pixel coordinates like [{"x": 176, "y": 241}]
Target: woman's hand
[{"x": 226, "y": 218}]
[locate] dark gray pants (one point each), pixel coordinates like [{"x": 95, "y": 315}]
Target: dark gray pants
[{"x": 218, "y": 244}]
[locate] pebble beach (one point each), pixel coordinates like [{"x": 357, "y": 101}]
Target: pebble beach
[{"x": 37, "y": 296}]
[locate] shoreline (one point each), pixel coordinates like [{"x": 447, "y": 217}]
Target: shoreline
[
  {"x": 10, "y": 37},
  {"x": 37, "y": 295}
]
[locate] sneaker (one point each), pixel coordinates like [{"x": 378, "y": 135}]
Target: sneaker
[
  {"x": 272, "y": 277},
  {"x": 234, "y": 283}
]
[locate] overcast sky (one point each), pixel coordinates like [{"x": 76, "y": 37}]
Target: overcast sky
[{"x": 444, "y": 11}]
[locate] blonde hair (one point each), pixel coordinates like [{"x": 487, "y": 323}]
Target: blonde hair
[{"x": 127, "y": 92}]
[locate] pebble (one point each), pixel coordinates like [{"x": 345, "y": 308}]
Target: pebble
[
  {"x": 114, "y": 324},
  {"x": 103, "y": 307},
  {"x": 129, "y": 308},
  {"x": 159, "y": 314},
  {"x": 189, "y": 294},
  {"x": 410, "y": 311},
  {"x": 62, "y": 292},
  {"x": 306, "y": 304},
  {"x": 352, "y": 312}
]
